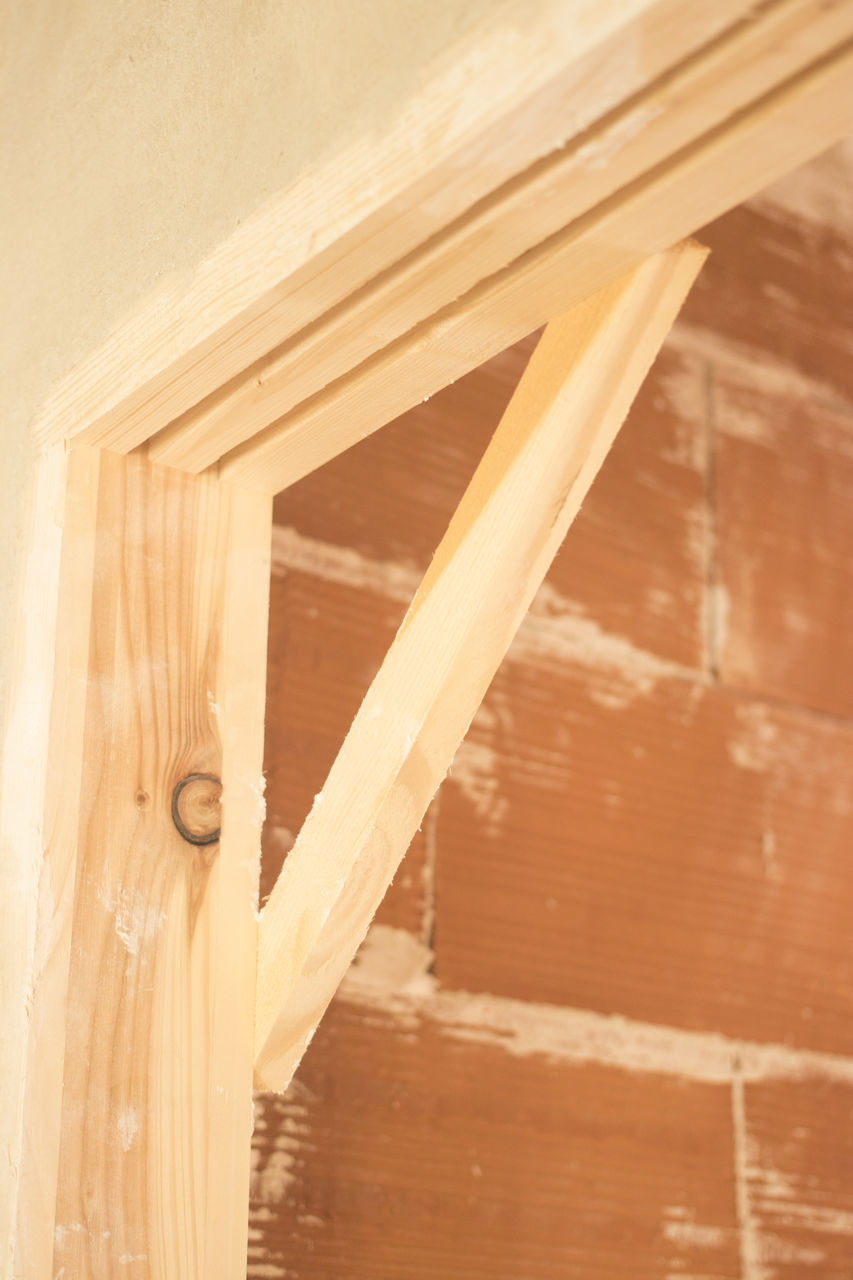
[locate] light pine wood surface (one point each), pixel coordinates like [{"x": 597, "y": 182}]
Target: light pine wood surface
[
  {"x": 564, "y": 415},
  {"x": 136, "y": 1137},
  {"x": 544, "y": 174},
  {"x": 412, "y": 239},
  {"x": 706, "y": 92},
  {"x": 672, "y": 200},
  {"x": 504, "y": 96}
]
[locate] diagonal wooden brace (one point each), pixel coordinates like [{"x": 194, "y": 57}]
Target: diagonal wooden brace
[
  {"x": 555, "y": 434},
  {"x": 140, "y": 689}
]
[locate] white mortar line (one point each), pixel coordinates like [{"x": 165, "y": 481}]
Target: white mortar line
[
  {"x": 754, "y": 365},
  {"x": 750, "y": 1246},
  {"x": 391, "y": 977}
]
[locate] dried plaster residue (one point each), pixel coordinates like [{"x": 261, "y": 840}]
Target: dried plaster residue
[
  {"x": 391, "y": 978},
  {"x": 556, "y": 630}
]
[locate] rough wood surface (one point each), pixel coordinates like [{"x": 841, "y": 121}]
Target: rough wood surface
[
  {"x": 670, "y": 114},
  {"x": 512, "y": 91},
  {"x": 39, "y": 818},
  {"x": 726, "y": 166},
  {"x": 574, "y": 806},
  {"x": 136, "y": 1138},
  {"x": 546, "y": 452}
]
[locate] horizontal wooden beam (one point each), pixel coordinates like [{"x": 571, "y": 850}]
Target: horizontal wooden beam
[
  {"x": 708, "y": 89},
  {"x": 508, "y": 98},
  {"x": 743, "y": 155},
  {"x": 554, "y": 436}
]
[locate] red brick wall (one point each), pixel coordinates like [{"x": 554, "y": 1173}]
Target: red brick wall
[{"x": 603, "y": 1025}]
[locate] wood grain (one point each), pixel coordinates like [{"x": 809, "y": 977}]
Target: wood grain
[
  {"x": 152, "y": 1095},
  {"x": 754, "y": 58},
  {"x": 39, "y": 818},
  {"x": 673, "y": 199},
  {"x": 510, "y": 92},
  {"x": 546, "y": 452}
]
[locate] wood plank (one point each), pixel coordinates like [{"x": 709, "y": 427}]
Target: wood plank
[
  {"x": 726, "y": 166},
  {"x": 39, "y": 816},
  {"x": 513, "y": 90},
  {"x": 712, "y": 87},
  {"x": 135, "y": 1139},
  {"x": 365, "y": 526},
  {"x": 566, "y": 411}
]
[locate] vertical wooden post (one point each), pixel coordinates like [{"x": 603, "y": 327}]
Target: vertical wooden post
[{"x": 136, "y": 1107}]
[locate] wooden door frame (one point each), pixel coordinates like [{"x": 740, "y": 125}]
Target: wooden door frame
[{"x": 141, "y": 629}]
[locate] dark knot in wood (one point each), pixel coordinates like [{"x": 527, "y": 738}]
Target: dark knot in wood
[{"x": 196, "y": 808}]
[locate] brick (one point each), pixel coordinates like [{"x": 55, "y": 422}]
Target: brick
[
  {"x": 403, "y": 1150},
  {"x": 799, "y": 1178},
  {"x": 784, "y": 507},
  {"x": 628, "y": 841},
  {"x": 326, "y": 643},
  {"x": 635, "y": 560}
]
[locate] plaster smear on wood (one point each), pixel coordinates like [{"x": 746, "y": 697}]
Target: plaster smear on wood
[
  {"x": 601, "y": 150},
  {"x": 127, "y": 1124},
  {"x": 136, "y": 920}
]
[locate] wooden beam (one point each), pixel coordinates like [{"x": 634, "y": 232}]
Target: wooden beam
[
  {"x": 744, "y": 155},
  {"x": 136, "y": 1105},
  {"x": 554, "y": 436},
  {"x": 706, "y": 91},
  {"x": 493, "y": 108}
]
